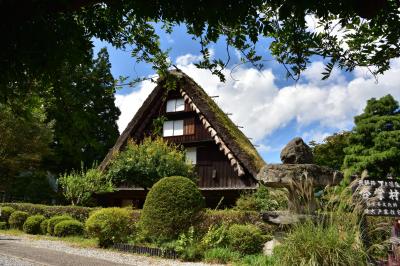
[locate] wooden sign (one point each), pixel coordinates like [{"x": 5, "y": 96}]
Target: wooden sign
[{"x": 381, "y": 197}]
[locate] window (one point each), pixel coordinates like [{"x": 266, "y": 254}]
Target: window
[
  {"x": 191, "y": 155},
  {"x": 173, "y": 128},
  {"x": 176, "y": 105}
]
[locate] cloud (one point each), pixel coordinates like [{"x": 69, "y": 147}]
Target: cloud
[
  {"x": 130, "y": 103},
  {"x": 188, "y": 59},
  {"x": 257, "y": 103}
]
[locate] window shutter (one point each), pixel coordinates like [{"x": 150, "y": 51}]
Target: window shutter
[{"x": 189, "y": 126}]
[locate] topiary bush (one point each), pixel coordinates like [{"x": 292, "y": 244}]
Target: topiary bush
[
  {"x": 32, "y": 224},
  {"x": 110, "y": 225},
  {"x": 246, "y": 239},
  {"x": 54, "y": 221},
  {"x": 5, "y": 213},
  {"x": 43, "y": 226},
  {"x": 17, "y": 219},
  {"x": 68, "y": 228},
  {"x": 172, "y": 205}
]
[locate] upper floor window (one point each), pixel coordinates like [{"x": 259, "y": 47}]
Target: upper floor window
[
  {"x": 176, "y": 105},
  {"x": 173, "y": 128}
]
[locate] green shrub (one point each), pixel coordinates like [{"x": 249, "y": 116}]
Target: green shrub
[
  {"x": 17, "y": 219},
  {"x": 221, "y": 255},
  {"x": 53, "y": 221},
  {"x": 77, "y": 212},
  {"x": 3, "y": 225},
  {"x": 188, "y": 246},
  {"x": 229, "y": 217},
  {"x": 216, "y": 236},
  {"x": 32, "y": 224},
  {"x": 5, "y": 213},
  {"x": 246, "y": 239},
  {"x": 68, "y": 228},
  {"x": 263, "y": 199},
  {"x": 145, "y": 163},
  {"x": 172, "y": 205},
  {"x": 332, "y": 243},
  {"x": 111, "y": 225},
  {"x": 43, "y": 226}
]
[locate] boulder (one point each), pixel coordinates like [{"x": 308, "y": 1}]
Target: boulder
[
  {"x": 297, "y": 152},
  {"x": 282, "y": 175}
]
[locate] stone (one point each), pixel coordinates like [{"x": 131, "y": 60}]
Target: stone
[
  {"x": 284, "y": 217},
  {"x": 282, "y": 175},
  {"x": 297, "y": 152},
  {"x": 269, "y": 246}
]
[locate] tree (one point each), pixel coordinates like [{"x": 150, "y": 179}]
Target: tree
[
  {"x": 79, "y": 186},
  {"x": 24, "y": 140},
  {"x": 82, "y": 103},
  {"x": 374, "y": 144},
  {"x": 145, "y": 163},
  {"x": 39, "y": 37},
  {"x": 330, "y": 152}
]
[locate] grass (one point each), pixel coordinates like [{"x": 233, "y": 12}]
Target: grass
[
  {"x": 221, "y": 255},
  {"x": 334, "y": 242},
  {"x": 75, "y": 241}
]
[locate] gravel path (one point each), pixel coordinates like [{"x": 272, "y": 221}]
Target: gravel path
[{"x": 25, "y": 251}]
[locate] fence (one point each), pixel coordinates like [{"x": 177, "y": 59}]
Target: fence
[{"x": 165, "y": 253}]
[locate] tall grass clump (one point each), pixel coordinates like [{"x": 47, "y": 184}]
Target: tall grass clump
[{"x": 333, "y": 237}]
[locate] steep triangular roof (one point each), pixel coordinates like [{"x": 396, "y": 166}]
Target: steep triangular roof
[{"x": 235, "y": 145}]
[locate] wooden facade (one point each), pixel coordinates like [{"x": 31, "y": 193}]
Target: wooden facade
[{"x": 217, "y": 169}]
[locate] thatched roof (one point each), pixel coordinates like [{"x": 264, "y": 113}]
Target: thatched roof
[{"x": 235, "y": 145}]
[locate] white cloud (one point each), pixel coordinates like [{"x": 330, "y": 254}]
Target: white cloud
[
  {"x": 188, "y": 59},
  {"x": 261, "y": 107},
  {"x": 130, "y": 103}
]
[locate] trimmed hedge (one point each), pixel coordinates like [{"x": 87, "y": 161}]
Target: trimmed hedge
[
  {"x": 110, "y": 225},
  {"x": 68, "y": 228},
  {"x": 172, "y": 205},
  {"x": 32, "y": 224},
  {"x": 5, "y": 213},
  {"x": 53, "y": 221},
  {"x": 43, "y": 226},
  {"x": 17, "y": 219},
  {"x": 76, "y": 212},
  {"x": 246, "y": 239}
]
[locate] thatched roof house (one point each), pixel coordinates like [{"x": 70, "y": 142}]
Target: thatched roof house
[{"x": 226, "y": 161}]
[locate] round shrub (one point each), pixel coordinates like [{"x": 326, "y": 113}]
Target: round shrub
[
  {"x": 53, "y": 221},
  {"x": 172, "y": 205},
  {"x": 17, "y": 219},
  {"x": 68, "y": 228},
  {"x": 43, "y": 226},
  {"x": 5, "y": 213},
  {"x": 110, "y": 225},
  {"x": 246, "y": 239},
  {"x": 32, "y": 224}
]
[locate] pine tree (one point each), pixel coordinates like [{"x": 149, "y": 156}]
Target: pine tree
[
  {"x": 374, "y": 144},
  {"x": 82, "y": 106}
]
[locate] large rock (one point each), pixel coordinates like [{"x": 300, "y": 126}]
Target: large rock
[
  {"x": 282, "y": 175},
  {"x": 297, "y": 152}
]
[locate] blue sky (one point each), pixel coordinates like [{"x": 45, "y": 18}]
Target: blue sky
[{"x": 272, "y": 109}]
